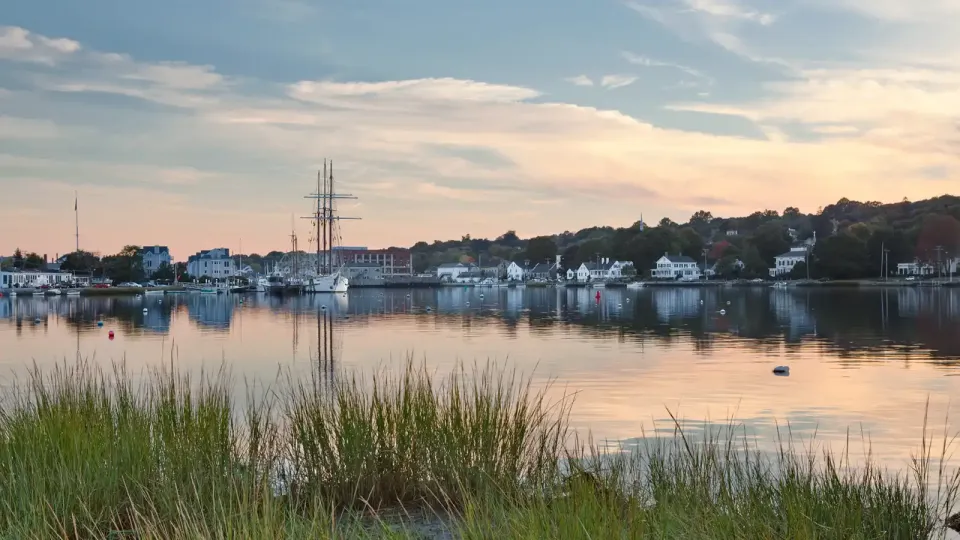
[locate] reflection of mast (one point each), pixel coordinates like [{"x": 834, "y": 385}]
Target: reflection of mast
[{"x": 326, "y": 359}]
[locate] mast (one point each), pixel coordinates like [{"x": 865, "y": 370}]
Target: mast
[
  {"x": 325, "y": 218},
  {"x": 330, "y": 211},
  {"x": 76, "y": 218},
  {"x": 317, "y": 222}
]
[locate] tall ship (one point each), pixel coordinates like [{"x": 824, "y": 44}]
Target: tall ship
[{"x": 328, "y": 277}]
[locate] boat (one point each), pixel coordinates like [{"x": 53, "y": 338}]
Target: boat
[
  {"x": 599, "y": 285},
  {"x": 73, "y": 292},
  {"x": 329, "y": 276},
  {"x": 635, "y": 285},
  {"x": 209, "y": 290},
  {"x": 262, "y": 284},
  {"x": 153, "y": 292}
]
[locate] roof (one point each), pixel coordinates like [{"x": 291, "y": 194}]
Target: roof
[
  {"x": 155, "y": 249},
  {"x": 792, "y": 255},
  {"x": 680, "y": 259},
  {"x": 543, "y": 268},
  {"x": 600, "y": 266},
  {"x": 450, "y": 265},
  {"x": 471, "y": 274}
]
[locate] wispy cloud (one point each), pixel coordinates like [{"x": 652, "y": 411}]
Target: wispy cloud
[
  {"x": 640, "y": 60},
  {"x": 580, "y": 80},
  {"x": 617, "y": 81}
]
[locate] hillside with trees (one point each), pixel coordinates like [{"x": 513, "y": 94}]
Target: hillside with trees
[{"x": 851, "y": 237}]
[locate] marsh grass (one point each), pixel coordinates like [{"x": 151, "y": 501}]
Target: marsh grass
[{"x": 477, "y": 454}]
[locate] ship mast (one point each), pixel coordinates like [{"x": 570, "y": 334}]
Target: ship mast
[{"x": 323, "y": 214}]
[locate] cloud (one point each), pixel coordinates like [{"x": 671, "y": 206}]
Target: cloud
[
  {"x": 20, "y": 45},
  {"x": 12, "y": 127},
  {"x": 580, "y": 80},
  {"x": 639, "y": 60},
  {"x": 250, "y": 149},
  {"x": 617, "y": 81},
  {"x": 717, "y": 21}
]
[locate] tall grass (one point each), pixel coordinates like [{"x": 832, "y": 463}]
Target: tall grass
[{"x": 477, "y": 454}]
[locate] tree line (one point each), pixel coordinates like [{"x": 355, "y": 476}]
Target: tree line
[{"x": 853, "y": 240}]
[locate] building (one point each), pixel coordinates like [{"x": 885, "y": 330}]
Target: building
[
  {"x": 471, "y": 276},
  {"x": 212, "y": 263},
  {"x": 915, "y": 268},
  {"x": 515, "y": 272},
  {"x": 28, "y": 278},
  {"x": 363, "y": 271},
  {"x": 392, "y": 261},
  {"x": 784, "y": 263},
  {"x": 676, "y": 267},
  {"x": 451, "y": 271},
  {"x": 603, "y": 269},
  {"x": 543, "y": 271},
  {"x": 154, "y": 257}
]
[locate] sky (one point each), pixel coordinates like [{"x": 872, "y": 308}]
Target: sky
[{"x": 198, "y": 124}]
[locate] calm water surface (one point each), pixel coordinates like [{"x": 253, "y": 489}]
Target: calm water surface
[{"x": 864, "y": 360}]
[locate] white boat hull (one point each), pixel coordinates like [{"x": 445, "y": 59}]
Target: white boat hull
[{"x": 334, "y": 283}]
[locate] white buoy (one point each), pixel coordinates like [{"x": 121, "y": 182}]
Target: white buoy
[
  {"x": 144, "y": 310},
  {"x": 701, "y": 302},
  {"x": 728, "y": 302},
  {"x": 781, "y": 370},
  {"x": 468, "y": 303},
  {"x": 619, "y": 305},
  {"x": 481, "y": 296},
  {"x": 429, "y": 309},
  {"x": 323, "y": 308},
  {"x": 723, "y": 312},
  {"x": 37, "y": 320}
]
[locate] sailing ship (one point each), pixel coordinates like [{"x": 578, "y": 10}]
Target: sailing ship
[{"x": 329, "y": 276}]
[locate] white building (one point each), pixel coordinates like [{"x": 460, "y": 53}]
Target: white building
[
  {"x": 676, "y": 267},
  {"x": 212, "y": 263},
  {"x": 451, "y": 271},
  {"x": 784, "y": 263},
  {"x": 915, "y": 268},
  {"x": 515, "y": 272},
  {"x": 154, "y": 257},
  {"x": 18, "y": 279}
]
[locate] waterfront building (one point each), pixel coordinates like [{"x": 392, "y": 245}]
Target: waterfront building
[
  {"x": 785, "y": 262},
  {"x": 675, "y": 267},
  {"x": 213, "y": 263},
  {"x": 451, "y": 271},
  {"x": 154, "y": 257},
  {"x": 392, "y": 261},
  {"x": 34, "y": 278}
]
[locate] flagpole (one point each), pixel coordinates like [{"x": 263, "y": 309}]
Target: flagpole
[{"x": 76, "y": 217}]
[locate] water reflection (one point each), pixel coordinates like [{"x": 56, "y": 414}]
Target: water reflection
[{"x": 865, "y": 358}]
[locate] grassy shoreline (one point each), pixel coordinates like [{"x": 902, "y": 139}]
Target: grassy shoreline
[{"x": 477, "y": 454}]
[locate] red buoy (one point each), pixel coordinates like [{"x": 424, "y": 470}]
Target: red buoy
[
  {"x": 111, "y": 334},
  {"x": 598, "y": 296}
]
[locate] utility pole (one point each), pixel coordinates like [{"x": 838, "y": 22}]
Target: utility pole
[{"x": 939, "y": 267}]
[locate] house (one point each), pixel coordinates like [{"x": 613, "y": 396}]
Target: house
[
  {"x": 732, "y": 233},
  {"x": 571, "y": 274},
  {"x": 676, "y": 267},
  {"x": 583, "y": 273},
  {"x": 450, "y": 271},
  {"x": 515, "y": 272},
  {"x": 394, "y": 261},
  {"x": 785, "y": 262},
  {"x": 543, "y": 271},
  {"x": 213, "y": 263},
  {"x": 712, "y": 269},
  {"x": 154, "y": 257}
]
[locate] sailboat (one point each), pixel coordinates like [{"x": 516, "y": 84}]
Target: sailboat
[{"x": 329, "y": 277}]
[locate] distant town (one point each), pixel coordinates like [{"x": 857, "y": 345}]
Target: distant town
[{"x": 849, "y": 240}]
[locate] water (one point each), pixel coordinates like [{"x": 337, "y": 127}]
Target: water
[{"x": 863, "y": 360}]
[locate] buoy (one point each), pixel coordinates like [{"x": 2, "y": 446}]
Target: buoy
[
  {"x": 111, "y": 334},
  {"x": 723, "y": 312},
  {"x": 37, "y": 320},
  {"x": 619, "y": 305},
  {"x": 481, "y": 296},
  {"x": 324, "y": 308},
  {"x": 781, "y": 370},
  {"x": 144, "y": 310},
  {"x": 100, "y": 323},
  {"x": 728, "y": 302},
  {"x": 429, "y": 309},
  {"x": 701, "y": 302},
  {"x": 468, "y": 303}
]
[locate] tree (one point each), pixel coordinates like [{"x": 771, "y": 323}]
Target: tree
[
  {"x": 18, "y": 259},
  {"x": 509, "y": 238},
  {"x": 753, "y": 263},
  {"x": 81, "y": 261},
  {"x": 770, "y": 239},
  {"x": 164, "y": 273},
  {"x": 799, "y": 271},
  {"x": 691, "y": 243},
  {"x": 541, "y": 248},
  {"x": 124, "y": 266},
  {"x": 33, "y": 262},
  {"x": 938, "y": 231},
  {"x": 841, "y": 256},
  {"x": 666, "y": 222}
]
